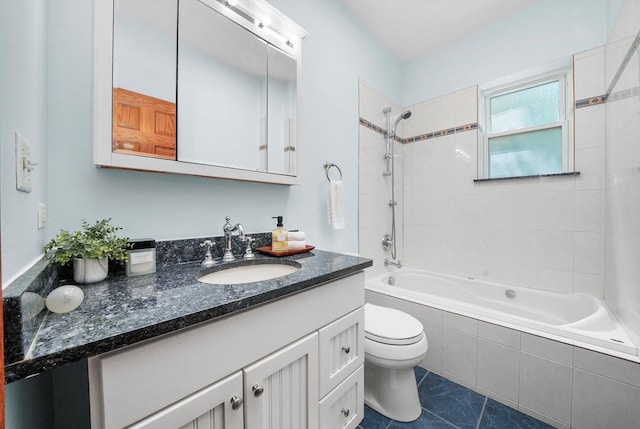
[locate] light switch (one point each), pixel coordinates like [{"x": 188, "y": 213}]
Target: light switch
[
  {"x": 23, "y": 164},
  {"x": 42, "y": 215}
]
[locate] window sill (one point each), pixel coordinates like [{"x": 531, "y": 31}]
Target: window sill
[{"x": 493, "y": 179}]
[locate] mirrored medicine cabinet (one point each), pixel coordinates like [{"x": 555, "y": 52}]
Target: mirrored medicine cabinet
[{"x": 199, "y": 87}]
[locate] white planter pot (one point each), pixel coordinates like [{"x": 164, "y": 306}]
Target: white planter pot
[{"x": 90, "y": 270}]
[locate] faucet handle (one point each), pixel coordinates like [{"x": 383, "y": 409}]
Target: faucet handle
[
  {"x": 208, "y": 257},
  {"x": 207, "y": 243},
  {"x": 248, "y": 253}
]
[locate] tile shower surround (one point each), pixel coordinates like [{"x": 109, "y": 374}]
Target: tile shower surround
[
  {"x": 563, "y": 385},
  {"x": 458, "y": 225}
]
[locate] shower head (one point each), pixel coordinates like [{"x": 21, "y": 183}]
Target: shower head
[{"x": 404, "y": 115}]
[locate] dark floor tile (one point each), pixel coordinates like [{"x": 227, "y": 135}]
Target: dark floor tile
[
  {"x": 426, "y": 420},
  {"x": 498, "y": 416},
  {"x": 420, "y": 373},
  {"x": 373, "y": 419},
  {"x": 450, "y": 401}
]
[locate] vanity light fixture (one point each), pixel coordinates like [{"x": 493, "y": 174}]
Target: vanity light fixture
[{"x": 254, "y": 12}]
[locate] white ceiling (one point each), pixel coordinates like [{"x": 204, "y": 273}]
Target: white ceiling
[{"x": 410, "y": 28}]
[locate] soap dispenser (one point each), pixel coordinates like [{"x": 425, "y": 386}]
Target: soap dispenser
[{"x": 279, "y": 239}]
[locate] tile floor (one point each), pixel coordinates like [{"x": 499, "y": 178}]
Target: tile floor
[{"x": 447, "y": 405}]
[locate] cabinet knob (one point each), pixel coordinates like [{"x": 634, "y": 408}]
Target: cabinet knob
[
  {"x": 345, "y": 412},
  {"x": 257, "y": 390},
  {"x": 346, "y": 349},
  {"x": 236, "y": 402}
]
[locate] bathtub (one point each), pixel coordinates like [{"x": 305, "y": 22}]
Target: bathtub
[{"x": 577, "y": 319}]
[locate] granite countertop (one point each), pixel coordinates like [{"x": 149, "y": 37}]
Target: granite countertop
[{"x": 123, "y": 310}]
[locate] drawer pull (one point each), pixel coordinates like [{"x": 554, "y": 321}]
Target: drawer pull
[
  {"x": 346, "y": 349},
  {"x": 257, "y": 390},
  {"x": 345, "y": 412},
  {"x": 236, "y": 403}
]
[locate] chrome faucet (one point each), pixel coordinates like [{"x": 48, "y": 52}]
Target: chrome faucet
[
  {"x": 228, "y": 230},
  {"x": 387, "y": 262}
]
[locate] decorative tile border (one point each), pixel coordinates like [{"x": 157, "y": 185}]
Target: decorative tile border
[
  {"x": 605, "y": 98},
  {"x": 591, "y": 101},
  {"x": 373, "y": 126},
  {"x": 421, "y": 137},
  {"x": 441, "y": 133}
]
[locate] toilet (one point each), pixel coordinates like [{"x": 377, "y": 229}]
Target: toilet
[{"x": 395, "y": 343}]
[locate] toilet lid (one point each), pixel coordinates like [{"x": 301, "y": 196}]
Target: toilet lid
[{"x": 390, "y": 326}]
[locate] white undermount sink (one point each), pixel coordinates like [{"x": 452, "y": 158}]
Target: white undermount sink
[{"x": 247, "y": 273}]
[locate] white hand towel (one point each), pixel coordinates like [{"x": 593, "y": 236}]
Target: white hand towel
[
  {"x": 296, "y": 236},
  {"x": 336, "y": 204},
  {"x": 298, "y": 244}
]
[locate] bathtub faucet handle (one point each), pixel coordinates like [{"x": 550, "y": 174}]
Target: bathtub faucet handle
[{"x": 397, "y": 264}]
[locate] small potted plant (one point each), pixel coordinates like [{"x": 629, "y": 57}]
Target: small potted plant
[{"x": 90, "y": 250}]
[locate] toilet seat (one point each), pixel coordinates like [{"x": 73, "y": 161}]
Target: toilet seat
[{"x": 389, "y": 326}]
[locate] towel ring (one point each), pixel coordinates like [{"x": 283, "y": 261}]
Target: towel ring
[{"x": 328, "y": 166}]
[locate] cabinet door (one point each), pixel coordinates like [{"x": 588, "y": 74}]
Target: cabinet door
[
  {"x": 281, "y": 390},
  {"x": 218, "y": 406}
]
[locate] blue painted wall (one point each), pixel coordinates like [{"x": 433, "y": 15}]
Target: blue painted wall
[{"x": 337, "y": 53}]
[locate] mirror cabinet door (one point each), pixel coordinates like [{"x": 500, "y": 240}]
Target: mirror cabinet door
[
  {"x": 222, "y": 90},
  {"x": 282, "y": 112},
  {"x": 144, "y": 78}
]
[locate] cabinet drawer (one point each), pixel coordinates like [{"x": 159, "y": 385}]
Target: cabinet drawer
[
  {"x": 343, "y": 408},
  {"x": 341, "y": 349}
]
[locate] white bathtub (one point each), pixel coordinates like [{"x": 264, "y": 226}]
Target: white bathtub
[{"x": 577, "y": 319}]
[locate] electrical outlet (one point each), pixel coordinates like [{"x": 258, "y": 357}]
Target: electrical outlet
[
  {"x": 42, "y": 215},
  {"x": 23, "y": 164}
]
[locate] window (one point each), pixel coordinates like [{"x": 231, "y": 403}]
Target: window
[{"x": 525, "y": 127}]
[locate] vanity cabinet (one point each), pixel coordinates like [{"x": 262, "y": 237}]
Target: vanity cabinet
[{"x": 296, "y": 362}]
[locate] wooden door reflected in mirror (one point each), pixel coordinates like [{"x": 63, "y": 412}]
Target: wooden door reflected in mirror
[{"x": 143, "y": 125}]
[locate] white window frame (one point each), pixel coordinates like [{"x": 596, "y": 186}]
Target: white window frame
[{"x": 560, "y": 72}]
